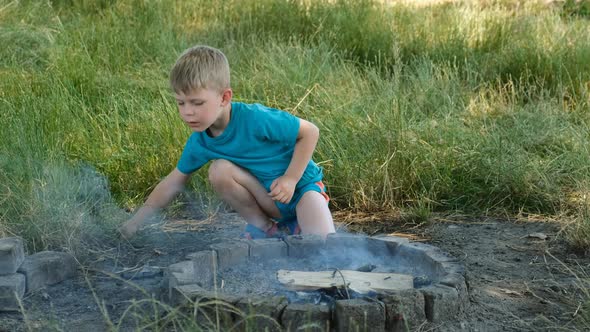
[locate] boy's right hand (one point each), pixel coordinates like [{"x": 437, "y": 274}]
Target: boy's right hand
[
  {"x": 282, "y": 189},
  {"x": 160, "y": 197},
  {"x": 128, "y": 229}
]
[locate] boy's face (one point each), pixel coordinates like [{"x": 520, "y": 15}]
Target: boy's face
[{"x": 204, "y": 108}]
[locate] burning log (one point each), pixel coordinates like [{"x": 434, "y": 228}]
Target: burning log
[{"x": 360, "y": 282}]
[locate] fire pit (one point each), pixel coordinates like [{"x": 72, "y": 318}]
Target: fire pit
[{"x": 346, "y": 282}]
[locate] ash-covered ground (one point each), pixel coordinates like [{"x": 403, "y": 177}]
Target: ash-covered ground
[
  {"x": 260, "y": 277},
  {"x": 518, "y": 282}
]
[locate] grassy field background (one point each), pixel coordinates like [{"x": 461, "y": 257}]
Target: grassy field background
[{"x": 482, "y": 108}]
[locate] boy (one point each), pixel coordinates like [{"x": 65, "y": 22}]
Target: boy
[{"x": 262, "y": 163}]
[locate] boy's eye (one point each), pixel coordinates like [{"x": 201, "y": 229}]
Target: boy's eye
[
  {"x": 198, "y": 103},
  {"x": 180, "y": 103}
]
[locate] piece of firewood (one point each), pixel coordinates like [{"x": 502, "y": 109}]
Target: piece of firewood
[{"x": 360, "y": 282}]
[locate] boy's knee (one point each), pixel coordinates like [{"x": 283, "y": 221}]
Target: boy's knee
[
  {"x": 311, "y": 195},
  {"x": 220, "y": 172},
  {"x": 314, "y": 196}
]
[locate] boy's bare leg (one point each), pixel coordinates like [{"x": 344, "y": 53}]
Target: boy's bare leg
[
  {"x": 243, "y": 192},
  {"x": 314, "y": 215}
]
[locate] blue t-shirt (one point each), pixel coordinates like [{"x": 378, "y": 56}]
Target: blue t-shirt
[{"x": 258, "y": 138}]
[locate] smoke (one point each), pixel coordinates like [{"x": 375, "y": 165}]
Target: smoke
[{"x": 71, "y": 209}]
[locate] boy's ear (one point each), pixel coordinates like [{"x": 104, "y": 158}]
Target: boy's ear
[{"x": 226, "y": 96}]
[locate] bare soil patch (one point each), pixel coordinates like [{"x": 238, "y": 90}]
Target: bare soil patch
[{"x": 521, "y": 275}]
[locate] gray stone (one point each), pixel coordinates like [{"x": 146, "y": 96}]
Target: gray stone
[
  {"x": 302, "y": 246},
  {"x": 12, "y": 288},
  {"x": 359, "y": 315},
  {"x": 267, "y": 249},
  {"x": 416, "y": 254},
  {"x": 444, "y": 268},
  {"x": 441, "y": 303},
  {"x": 437, "y": 254},
  {"x": 145, "y": 272},
  {"x": 338, "y": 241},
  {"x": 185, "y": 270},
  {"x": 181, "y": 295},
  {"x": 47, "y": 268},
  {"x": 306, "y": 317},
  {"x": 428, "y": 259},
  {"x": 212, "y": 310},
  {"x": 178, "y": 274},
  {"x": 204, "y": 258},
  {"x": 459, "y": 283},
  {"x": 385, "y": 245},
  {"x": 260, "y": 313},
  {"x": 404, "y": 310},
  {"x": 12, "y": 255},
  {"x": 231, "y": 253},
  {"x": 185, "y": 294},
  {"x": 205, "y": 267}
]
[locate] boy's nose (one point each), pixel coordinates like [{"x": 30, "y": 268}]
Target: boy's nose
[{"x": 188, "y": 111}]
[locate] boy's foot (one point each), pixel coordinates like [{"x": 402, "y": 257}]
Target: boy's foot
[
  {"x": 290, "y": 227},
  {"x": 252, "y": 232},
  {"x": 277, "y": 230}
]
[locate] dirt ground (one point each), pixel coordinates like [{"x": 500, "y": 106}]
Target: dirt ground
[{"x": 521, "y": 275}]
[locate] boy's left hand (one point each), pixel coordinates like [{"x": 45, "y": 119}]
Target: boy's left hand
[{"x": 282, "y": 189}]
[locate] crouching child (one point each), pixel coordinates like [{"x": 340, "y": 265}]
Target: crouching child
[{"x": 261, "y": 157}]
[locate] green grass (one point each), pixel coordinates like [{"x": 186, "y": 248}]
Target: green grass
[{"x": 473, "y": 107}]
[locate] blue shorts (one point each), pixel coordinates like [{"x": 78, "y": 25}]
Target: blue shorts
[{"x": 288, "y": 211}]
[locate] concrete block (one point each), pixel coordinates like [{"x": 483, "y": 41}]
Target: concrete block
[
  {"x": 437, "y": 254},
  {"x": 417, "y": 255},
  {"x": 178, "y": 274},
  {"x": 47, "y": 268},
  {"x": 181, "y": 295},
  {"x": 145, "y": 272},
  {"x": 231, "y": 254},
  {"x": 260, "y": 313},
  {"x": 213, "y": 310},
  {"x": 12, "y": 288},
  {"x": 404, "y": 310},
  {"x": 306, "y": 317},
  {"x": 204, "y": 258},
  {"x": 441, "y": 303},
  {"x": 12, "y": 255},
  {"x": 304, "y": 246},
  {"x": 346, "y": 240},
  {"x": 338, "y": 243},
  {"x": 458, "y": 282},
  {"x": 205, "y": 267},
  {"x": 182, "y": 273},
  {"x": 267, "y": 249},
  {"x": 359, "y": 315},
  {"x": 432, "y": 260},
  {"x": 185, "y": 294},
  {"x": 391, "y": 238},
  {"x": 385, "y": 246},
  {"x": 444, "y": 268}
]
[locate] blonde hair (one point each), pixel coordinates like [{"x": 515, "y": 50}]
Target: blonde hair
[{"x": 200, "y": 67}]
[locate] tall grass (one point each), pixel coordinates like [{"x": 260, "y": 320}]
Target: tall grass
[{"x": 480, "y": 107}]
